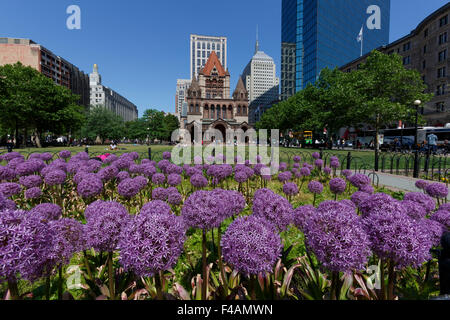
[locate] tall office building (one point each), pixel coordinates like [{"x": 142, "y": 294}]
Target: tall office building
[
  {"x": 202, "y": 47},
  {"x": 261, "y": 81},
  {"x": 102, "y": 96},
  {"x": 181, "y": 96},
  {"x": 327, "y": 33},
  {"x": 34, "y": 55}
]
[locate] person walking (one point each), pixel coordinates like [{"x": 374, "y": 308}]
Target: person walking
[{"x": 432, "y": 142}]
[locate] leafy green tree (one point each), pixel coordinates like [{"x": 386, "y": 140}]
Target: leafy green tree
[
  {"x": 30, "y": 100},
  {"x": 171, "y": 123},
  {"x": 103, "y": 124},
  {"x": 136, "y": 129},
  {"x": 155, "y": 124}
]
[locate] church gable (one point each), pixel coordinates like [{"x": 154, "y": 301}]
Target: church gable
[{"x": 213, "y": 67}]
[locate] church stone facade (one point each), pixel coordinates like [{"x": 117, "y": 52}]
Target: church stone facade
[{"x": 209, "y": 101}]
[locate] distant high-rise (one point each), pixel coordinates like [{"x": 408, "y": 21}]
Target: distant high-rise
[
  {"x": 262, "y": 83},
  {"x": 201, "y": 48},
  {"x": 181, "y": 96},
  {"x": 327, "y": 33},
  {"x": 102, "y": 96}
]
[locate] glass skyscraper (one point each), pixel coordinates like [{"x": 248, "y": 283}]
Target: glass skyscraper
[{"x": 325, "y": 33}]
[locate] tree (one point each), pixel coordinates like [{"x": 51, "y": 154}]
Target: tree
[
  {"x": 30, "y": 100},
  {"x": 104, "y": 124},
  {"x": 136, "y": 129},
  {"x": 171, "y": 123},
  {"x": 387, "y": 91},
  {"x": 155, "y": 123}
]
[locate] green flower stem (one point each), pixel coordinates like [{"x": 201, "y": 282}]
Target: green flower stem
[
  {"x": 204, "y": 282},
  {"x": 13, "y": 290},
  {"x": 222, "y": 269},
  {"x": 111, "y": 276},
  {"x": 60, "y": 283},
  {"x": 158, "y": 285}
]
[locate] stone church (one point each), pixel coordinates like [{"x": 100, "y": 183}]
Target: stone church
[{"x": 209, "y": 101}]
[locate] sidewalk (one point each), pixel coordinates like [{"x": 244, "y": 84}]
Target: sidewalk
[{"x": 401, "y": 183}]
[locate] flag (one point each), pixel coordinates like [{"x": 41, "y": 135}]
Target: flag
[{"x": 360, "y": 36}]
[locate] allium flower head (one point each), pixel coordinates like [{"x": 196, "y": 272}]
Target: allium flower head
[
  {"x": 167, "y": 155},
  {"x": 240, "y": 177},
  {"x": 359, "y": 180},
  {"x": 65, "y": 154},
  {"x": 338, "y": 185},
  {"x": 297, "y": 159},
  {"x": 319, "y": 163},
  {"x": 316, "y": 155},
  {"x": 290, "y": 189},
  {"x": 33, "y": 193},
  {"x": 156, "y": 207},
  {"x": 90, "y": 186},
  {"x": 443, "y": 217},
  {"x": 336, "y": 235},
  {"x": 31, "y": 181},
  {"x": 367, "y": 189},
  {"x": 435, "y": 230},
  {"x": 315, "y": 187},
  {"x": 10, "y": 189},
  {"x": 359, "y": 197},
  {"x": 152, "y": 243},
  {"x": 305, "y": 172},
  {"x": 346, "y": 173},
  {"x": 128, "y": 188},
  {"x": 426, "y": 201},
  {"x": 414, "y": 209},
  {"x": 47, "y": 211},
  {"x": 105, "y": 221},
  {"x": 421, "y": 184},
  {"x": 108, "y": 173},
  {"x": 285, "y": 176},
  {"x": 379, "y": 203},
  {"x": 273, "y": 208},
  {"x": 160, "y": 194},
  {"x": 158, "y": 179},
  {"x": 251, "y": 246},
  {"x": 327, "y": 170},
  {"x": 301, "y": 216},
  {"x": 148, "y": 170},
  {"x": 7, "y": 173},
  {"x": 122, "y": 175},
  {"x": 437, "y": 190},
  {"x": 55, "y": 177},
  {"x": 68, "y": 239},
  {"x": 174, "y": 179},
  {"x": 199, "y": 181}
]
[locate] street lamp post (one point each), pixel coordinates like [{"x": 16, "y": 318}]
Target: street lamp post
[
  {"x": 417, "y": 103},
  {"x": 148, "y": 136}
]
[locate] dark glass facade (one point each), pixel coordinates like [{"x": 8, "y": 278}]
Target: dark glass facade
[{"x": 326, "y": 33}]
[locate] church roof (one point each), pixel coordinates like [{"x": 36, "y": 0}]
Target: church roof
[
  {"x": 194, "y": 85},
  {"x": 213, "y": 61}
]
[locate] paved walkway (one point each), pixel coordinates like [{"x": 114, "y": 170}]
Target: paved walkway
[{"x": 402, "y": 183}]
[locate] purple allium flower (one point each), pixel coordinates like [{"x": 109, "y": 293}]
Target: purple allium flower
[
  {"x": 152, "y": 243},
  {"x": 346, "y": 173},
  {"x": 68, "y": 239},
  {"x": 199, "y": 181},
  {"x": 7, "y": 173},
  {"x": 31, "y": 181},
  {"x": 251, "y": 245},
  {"x": 110, "y": 159},
  {"x": 334, "y": 162},
  {"x": 174, "y": 179},
  {"x": 443, "y": 217},
  {"x": 123, "y": 175},
  {"x": 315, "y": 187},
  {"x": 160, "y": 194},
  {"x": 135, "y": 168},
  {"x": 234, "y": 201},
  {"x": 156, "y": 207},
  {"x": 158, "y": 179},
  {"x": 65, "y": 154},
  {"x": 15, "y": 162},
  {"x": 435, "y": 229},
  {"x": 90, "y": 186},
  {"x": 290, "y": 189},
  {"x": 336, "y": 235},
  {"x": 437, "y": 190},
  {"x": 273, "y": 208},
  {"x": 198, "y": 160},
  {"x": 10, "y": 189},
  {"x": 105, "y": 221},
  {"x": 46, "y": 156},
  {"x": 128, "y": 188},
  {"x": 359, "y": 180},
  {"x": 348, "y": 203},
  {"x": 81, "y": 156},
  {"x": 123, "y": 163},
  {"x": 134, "y": 155},
  {"x": 148, "y": 170},
  {"x": 55, "y": 177},
  {"x": 167, "y": 155},
  {"x": 283, "y": 166},
  {"x": 367, "y": 189},
  {"x": 108, "y": 173},
  {"x": 47, "y": 211},
  {"x": 301, "y": 216},
  {"x": 240, "y": 177},
  {"x": 141, "y": 181},
  {"x": 395, "y": 236},
  {"x": 297, "y": 159},
  {"x": 380, "y": 203},
  {"x": 305, "y": 172},
  {"x": 285, "y": 176},
  {"x": 319, "y": 163},
  {"x": 174, "y": 169},
  {"x": 327, "y": 170},
  {"x": 12, "y": 155},
  {"x": 445, "y": 206},
  {"x": 30, "y": 167},
  {"x": 338, "y": 185},
  {"x": 162, "y": 165},
  {"x": 414, "y": 209},
  {"x": 175, "y": 198},
  {"x": 426, "y": 201},
  {"x": 24, "y": 245},
  {"x": 296, "y": 166},
  {"x": 204, "y": 210},
  {"x": 421, "y": 184},
  {"x": 316, "y": 155},
  {"x": 33, "y": 193}
]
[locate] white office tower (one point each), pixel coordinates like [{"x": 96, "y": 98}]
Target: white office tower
[
  {"x": 261, "y": 83},
  {"x": 181, "y": 95},
  {"x": 201, "y": 48}
]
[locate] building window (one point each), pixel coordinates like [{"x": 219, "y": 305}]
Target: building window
[
  {"x": 442, "y": 55},
  {"x": 406, "y": 60},
  {"x": 440, "y": 90},
  {"x": 424, "y": 49},
  {"x": 407, "y": 46},
  {"x": 442, "y": 72},
  {"x": 443, "y": 21},
  {"x": 443, "y": 38},
  {"x": 424, "y": 64},
  {"x": 425, "y": 33},
  {"x": 440, "y": 107}
]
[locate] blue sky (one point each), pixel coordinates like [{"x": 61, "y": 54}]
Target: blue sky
[{"x": 142, "y": 46}]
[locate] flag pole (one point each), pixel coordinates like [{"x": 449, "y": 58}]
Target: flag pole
[{"x": 362, "y": 40}]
